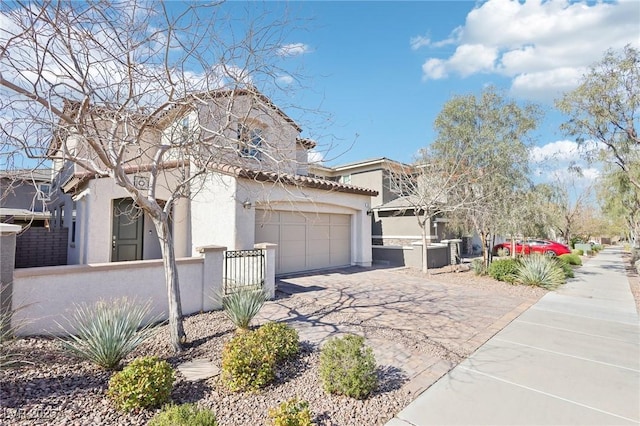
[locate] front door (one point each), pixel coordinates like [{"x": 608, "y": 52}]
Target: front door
[{"x": 128, "y": 226}]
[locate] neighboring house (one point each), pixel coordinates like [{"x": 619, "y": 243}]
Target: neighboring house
[
  {"x": 24, "y": 195},
  {"x": 393, "y": 221},
  {"x": 393, "y": 218},
  {"x": 258, "y": 192}
]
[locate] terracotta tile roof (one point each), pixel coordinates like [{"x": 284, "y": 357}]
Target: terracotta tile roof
[
  {"x": 293, "y": 180},
  {"x": 79, "y": 179}
]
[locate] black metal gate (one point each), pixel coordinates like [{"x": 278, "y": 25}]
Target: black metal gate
[{"x": 243, "y": 269}]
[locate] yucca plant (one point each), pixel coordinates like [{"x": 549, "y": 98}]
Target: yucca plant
[
  {"x": 107, "y": 331},
  {"x": 541, "y": 271},
  {"x": 7, "y": 358},
  {"x": 242, "y": 304}
]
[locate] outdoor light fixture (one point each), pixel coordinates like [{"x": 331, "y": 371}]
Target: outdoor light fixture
[{"x": 246, "y": 204}]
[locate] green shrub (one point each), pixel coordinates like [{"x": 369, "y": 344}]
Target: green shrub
[
  {"x": 504, "y": 269},
  {"x": 478, "y": 267},
  {"x": 247, "y": 363},
  {"x": 107, "y": 331},
  {"x": 577, "y": 252},
  {"x": 291, "y": 413},
  {"x": 242, "y": 304},
  {"x": 183, "y": 415},
  {"x": 566, "y": 269},
  {"x": 541, "y": 271},
  {"x": 145, "y": 383},
  {"x": 280, "y": 338},
  {"x": 571, "y": 259},
  {"x": 348, "y": 367},
  {"x": 597, "y": 248}
]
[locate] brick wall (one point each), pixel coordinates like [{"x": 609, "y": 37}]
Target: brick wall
[{"x": 41, "y": 247}]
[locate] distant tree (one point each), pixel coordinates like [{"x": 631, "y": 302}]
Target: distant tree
[
  {"x": 492, "y": 133},
  {"x": 620, "y": 202},
  {"x": 567, "y": 200},
  {"x": 97, "y": 80},
  {"x": 605, "y": 108}
]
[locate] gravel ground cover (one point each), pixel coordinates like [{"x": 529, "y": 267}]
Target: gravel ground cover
[{"x": 54, "y": 388}]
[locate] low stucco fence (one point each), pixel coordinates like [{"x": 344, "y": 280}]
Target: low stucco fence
[
  {"x": 43, "y": 297},
  {"x": 439, "y": 255}
]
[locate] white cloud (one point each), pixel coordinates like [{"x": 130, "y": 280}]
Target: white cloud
[
  {"x": 293, "y": 49},
  {"x": 543, "y": 46},
  {"x": 560, "y": 150},
  {"x": 419, "y": 41},
  {"x": 285, "y": 79},
  {"x": 435, "y": 69}
]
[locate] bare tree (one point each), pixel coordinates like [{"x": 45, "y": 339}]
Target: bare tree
[
  {"x": 434, "y": 185},
  {"x": 137, "y": 90},
  {"x": 567, "y": 200}
]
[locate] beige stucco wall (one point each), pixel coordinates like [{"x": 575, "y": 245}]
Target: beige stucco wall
[
  {"x": 221, "y": 116},
  {"x": 224, "y": 214}
]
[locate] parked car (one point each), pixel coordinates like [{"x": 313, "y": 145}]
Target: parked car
[{"x": 550, "y": 248}]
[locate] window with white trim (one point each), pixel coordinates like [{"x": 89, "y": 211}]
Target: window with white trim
[{"x": 249, "y": 141}]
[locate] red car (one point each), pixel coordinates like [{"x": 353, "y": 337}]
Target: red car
[{"x": 550, "y": 248}]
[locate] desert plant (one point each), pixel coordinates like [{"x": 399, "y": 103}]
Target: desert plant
[
  {"x": 293, "y": 412},
  {"x": 348, "y": 367},
  {"x": 107, "y": 331},
  {"x": 280, "y": 338},
  {"x": 577, "y": 252},
  {"x": 571, "y": 259},
  {"x": 242, "y": 304},
  {"x": 145, "y": 383},
  {"x": 478, "y": 266},
  {"x": 504, "y": 269},
  {"x": 567, "y": 269},
  {"x": 541, "y": 271},
  {"x": 183, "y": 415},
  {"x": 247, "y": 363}
]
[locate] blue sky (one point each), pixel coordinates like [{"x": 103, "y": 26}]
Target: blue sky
[{"x": 383, "y": 70}]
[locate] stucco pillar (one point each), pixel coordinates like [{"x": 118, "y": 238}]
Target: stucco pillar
[
  {"x": 212, "y": 276},
  {"x": 182, "y": 228},
  {"x": 7, "y": 264},
  {"x": 361, "y": 239},
  {"x": 269, "y": 268}
]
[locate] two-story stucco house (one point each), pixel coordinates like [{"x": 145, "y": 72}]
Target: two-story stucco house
[{"x": 256, "y": 188}]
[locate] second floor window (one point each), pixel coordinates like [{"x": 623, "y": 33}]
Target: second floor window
[{"x": 249, "y": 141}]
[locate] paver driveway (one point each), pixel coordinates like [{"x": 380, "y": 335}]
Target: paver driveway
[{"x": 420, "y": 327}]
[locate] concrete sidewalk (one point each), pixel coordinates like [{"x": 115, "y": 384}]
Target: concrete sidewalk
[{"x": 571, "y": 359}]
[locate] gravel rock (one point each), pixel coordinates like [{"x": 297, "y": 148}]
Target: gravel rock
[{"x": 51, "y": 387}]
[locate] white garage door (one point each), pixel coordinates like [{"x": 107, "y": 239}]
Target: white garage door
[{"x": 305, "y": 241}]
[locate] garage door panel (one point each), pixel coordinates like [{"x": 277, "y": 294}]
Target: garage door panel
[
  {"x": 293, "y": 233},
  {"x": 306, "y": 241},
  {"x": 268, "y": 234},
  {"x": 319, "y": 232},
  {"x": 318, "y": 247},
  {"x": 291, "y": 217},
  {"x": 341, "y": 219},
  {"x": 319, "y": 261},
  {"x": 291, "y": 264}
]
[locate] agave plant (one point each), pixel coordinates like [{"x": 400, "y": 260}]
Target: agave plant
[
  {"x": 541, "y": 271},
  {"x": 242, "y": 304},
  {"x": 107, "y": 331}
]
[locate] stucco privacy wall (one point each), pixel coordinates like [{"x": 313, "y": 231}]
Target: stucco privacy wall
[
  {"x": 47, "y": 295},
  {"x": 223, "y": 212}
]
